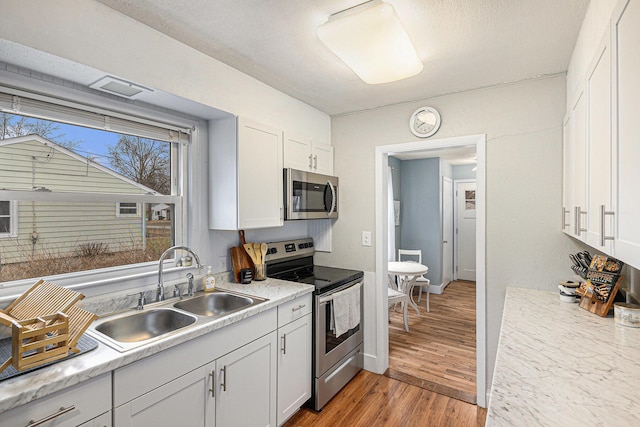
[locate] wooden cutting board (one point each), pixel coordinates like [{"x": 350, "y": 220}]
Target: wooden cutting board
[{"x": 240, "y": 258}]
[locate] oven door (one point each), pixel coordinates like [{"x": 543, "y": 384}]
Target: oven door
[
  {"x": 329, "y": 348},
  {"x": 310, "y": 195}
]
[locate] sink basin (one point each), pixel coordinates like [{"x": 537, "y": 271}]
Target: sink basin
[
  {"x": 145, "y": 325},
  {"x": 216, "y": 304}
]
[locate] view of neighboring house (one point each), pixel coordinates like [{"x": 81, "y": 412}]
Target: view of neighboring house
[{"x": 53, "y": 229}]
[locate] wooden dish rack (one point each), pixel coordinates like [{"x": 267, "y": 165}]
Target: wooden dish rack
[{"x": 45, "y": 325}]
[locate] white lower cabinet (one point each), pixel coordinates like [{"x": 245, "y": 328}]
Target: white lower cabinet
[
  {"x": 72, "y": 407},
  {"x": 294, "y": 367},
  {"x": 294, "y": 355},
  {"x": 246, "y": 385},
  {"x": 185, "y": 401},
  {"x": 103, "y": 420}
]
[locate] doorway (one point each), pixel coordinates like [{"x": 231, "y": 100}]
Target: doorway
[
  {"x": 447, "y": 230},
  {"x": 465, "y": 226},
  {"x": 380, "y": 323}
]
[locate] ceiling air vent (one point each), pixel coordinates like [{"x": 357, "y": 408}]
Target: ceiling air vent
[{"x": 119, "y": 87}]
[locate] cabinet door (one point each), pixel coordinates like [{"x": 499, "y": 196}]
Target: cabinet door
[
  {"x": 322, "y": 158},
  {"x": 297, "y": 153},
  {"x": 600, "y": 221},
  {"x": 186, "y": 401},
  {"x": 246, "y": 385},
  {"x": 103, "y": 420},
  {"x": 67, "y": 408},
  {"x": 294, "y": 367},
  {"x": 260, "y": 175},
  {"x": 567, "y": 174},
  {"x": 579, "y": 167},
  {"x": 627, "y": 132}
]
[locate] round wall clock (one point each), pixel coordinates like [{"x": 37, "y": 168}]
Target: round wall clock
[{"x": 424, "y": 122}]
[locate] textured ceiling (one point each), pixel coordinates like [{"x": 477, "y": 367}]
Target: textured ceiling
[{"x": 464, "y": 44}]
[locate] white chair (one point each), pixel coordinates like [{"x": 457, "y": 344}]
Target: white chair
[
  {"x": 394, "y": 296},
  {"x": 415, "y": 255}
]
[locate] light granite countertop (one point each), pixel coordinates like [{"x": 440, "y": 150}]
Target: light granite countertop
[
  {"x": 25, "y": 388},
  {"x": 558, "y": 364}
]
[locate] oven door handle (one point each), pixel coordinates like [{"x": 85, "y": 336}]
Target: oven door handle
[{"x": 329, "y": 297}]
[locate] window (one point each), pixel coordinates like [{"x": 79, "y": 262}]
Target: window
[
  {"x": 127, "y": 209},
  {"x": 65, "y": 167},
  {"x": 8, "y": 219}
]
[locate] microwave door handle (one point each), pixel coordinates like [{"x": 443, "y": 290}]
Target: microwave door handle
[{"x": 333, "y": 198}]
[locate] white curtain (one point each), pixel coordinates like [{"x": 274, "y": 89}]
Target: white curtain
[{"x": 391, "y": 226}]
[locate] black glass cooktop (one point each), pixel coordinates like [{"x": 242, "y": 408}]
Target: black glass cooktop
[{"x": 323, "y": 278}]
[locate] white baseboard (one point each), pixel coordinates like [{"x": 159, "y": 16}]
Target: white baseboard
[
  {"x": 437, "y": 289},
  {"x": 371, "y": 364}
]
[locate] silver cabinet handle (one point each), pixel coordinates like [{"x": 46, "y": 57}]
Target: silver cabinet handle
[
  {"x": 603, "y": 213},
  {"x": 445, "y": 241},
  {"x": 224, "y": 378},
  {"x": 578, "y": 226},
  {"x": 315, "y": 161},
  {"x": 48, "y": 418},
  {"x": 300, "y": 307},
  {"x": 310, "y": 164},
  {"x": 213, "y": 383},
  {"x": 564, "y": 217},
  {"x": 284, "y": 344}
]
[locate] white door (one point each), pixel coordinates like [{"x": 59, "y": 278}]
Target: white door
[
  {"x": 465, "y": 244},
  {"x": 447, "y": 231}
]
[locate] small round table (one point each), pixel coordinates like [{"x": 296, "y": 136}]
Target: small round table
[{"x": 408, "y": 271}]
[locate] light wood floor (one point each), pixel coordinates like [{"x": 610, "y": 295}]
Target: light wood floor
[
  {"x": 373, "y": 400},
  {"x": 439, "y": 352}
]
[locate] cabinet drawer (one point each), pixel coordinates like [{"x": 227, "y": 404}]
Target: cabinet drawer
[
  {"x": 84, "y": 401},
  {"x": 294, "y": 309}
]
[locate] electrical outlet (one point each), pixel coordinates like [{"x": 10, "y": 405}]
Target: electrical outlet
[
  {"x": 222, "y": 264},
  {"x": 366, "y": 238}
]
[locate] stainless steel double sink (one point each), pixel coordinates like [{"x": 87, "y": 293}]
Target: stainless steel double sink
[{"x": 133, "y": 329}]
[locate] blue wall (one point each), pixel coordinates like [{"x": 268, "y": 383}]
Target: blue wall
[
  {"x": 396, "y": 172},
  {"x": 420, "y": 213}
]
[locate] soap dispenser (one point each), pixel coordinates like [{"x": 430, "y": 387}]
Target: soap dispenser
[{"x": 209, "y": 281}]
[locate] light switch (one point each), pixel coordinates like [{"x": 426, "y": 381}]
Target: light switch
[{"x": 366, "y": 238}]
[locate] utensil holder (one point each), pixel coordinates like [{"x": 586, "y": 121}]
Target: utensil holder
[{"x": 261, "y": 272}]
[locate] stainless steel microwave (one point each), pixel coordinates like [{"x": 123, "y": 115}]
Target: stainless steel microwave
[{"x": 309, "y": 195}]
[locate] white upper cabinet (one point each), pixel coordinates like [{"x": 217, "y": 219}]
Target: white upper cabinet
[
  {"x": 626, "y": 130},
  {"x": 307, "y": 155},
  {"x": 578, "y": 146},
  {"x": 245, "y": 175},
  {"x": 600, "y": 217},
  {"x": 567, "y": 212}
]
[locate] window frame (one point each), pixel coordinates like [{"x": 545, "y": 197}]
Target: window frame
[
  {"x": 119, "y": 208},
  {"x": 13, "y": 220},
  {"x": 116, "y": 278}
]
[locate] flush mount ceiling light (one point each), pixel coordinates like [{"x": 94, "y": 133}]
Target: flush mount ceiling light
[
  {"x": 119, "y": 87},
  {"x": 371, "y": 40}
]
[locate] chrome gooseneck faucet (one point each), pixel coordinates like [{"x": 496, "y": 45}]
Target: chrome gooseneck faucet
[{"x": 160, "y": 291}]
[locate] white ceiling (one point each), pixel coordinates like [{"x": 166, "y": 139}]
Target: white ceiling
[{"x": 464, "y": 44}]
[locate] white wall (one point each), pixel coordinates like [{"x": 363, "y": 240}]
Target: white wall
[{"x": 523, "y": 124}]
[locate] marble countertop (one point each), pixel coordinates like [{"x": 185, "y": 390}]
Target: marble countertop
[
  {"x": 558, "y": 364},
  {"x": 22, "y": 389}
]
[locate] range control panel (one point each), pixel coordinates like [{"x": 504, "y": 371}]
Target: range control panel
[{"x": 289, "y": 249}]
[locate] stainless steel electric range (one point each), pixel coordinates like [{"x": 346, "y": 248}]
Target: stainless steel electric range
[{"x": 336, "y": 359}]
